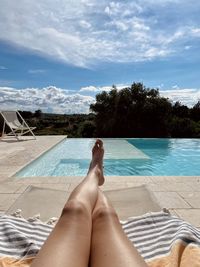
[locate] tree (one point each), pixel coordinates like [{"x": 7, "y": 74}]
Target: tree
[
  {"x": 180, "y": 110},
  {"x": 182, "y": 127},
  {"x": 132, "y": 111},
  {"x": 87, "y": 129},
  {"x": 195, "y": 112},
  {"x": 26, "y": 114},
  {"x": 38, "y": 113}
]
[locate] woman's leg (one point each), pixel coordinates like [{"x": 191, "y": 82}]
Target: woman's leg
[
  {"x": 110, "y": 246},
  {"x": 69, "y": 243}
]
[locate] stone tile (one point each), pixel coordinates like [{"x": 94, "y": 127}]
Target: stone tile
[
  {"x": 62, "y": 187},
  {"x": 177, "y": 179},
  {"x": 6, "y": 200},
  {"x": 129, "y": 179},
  {"x": 159, "y": 179},
  {"x": 170, "y": 200},
  {"x": 189, "y": 194},
  {"x": 19, "y": 154},
  {"x": 139, "y": 179},
  {"x": 174, "y": 186},
  {"x": 21, "y": 189},
  {"x": 190, "y": 215},
  {"x": 70, "y": 179},
  {"x": 135, "y": 184},
  {"x": 9, "y": 188},
  {"x": 155, "y": 187},
  {"x": 193, "y": 198},
  {"x": 7, "y": 169},
  {"x": 173, "y": 212},
  {"x": 195, "y": 185},
  {"x": 38, "y": 180},
  {"x": 25, "y": 181},
  {"x": 114, "y": 186},
  {"x": 44, "y": 180},
  {"x": 4, "y": 178}
]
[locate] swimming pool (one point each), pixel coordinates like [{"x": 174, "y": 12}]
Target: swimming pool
[{"x": 123, "y": 157}]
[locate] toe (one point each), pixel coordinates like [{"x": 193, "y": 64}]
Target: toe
[{"x": 99, "y": 142}]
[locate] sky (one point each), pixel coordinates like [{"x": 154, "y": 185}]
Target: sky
[{"x": 56, "y": 55}]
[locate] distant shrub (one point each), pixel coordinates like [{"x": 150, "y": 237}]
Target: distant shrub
[{"x": 87, "y": 129}]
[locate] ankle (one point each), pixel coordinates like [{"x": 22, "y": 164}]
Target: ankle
[{"x": 96, "y": 169}]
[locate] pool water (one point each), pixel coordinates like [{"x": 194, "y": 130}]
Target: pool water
[{"x": 123, "y": 157}]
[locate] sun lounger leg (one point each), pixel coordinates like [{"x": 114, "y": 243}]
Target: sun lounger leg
[{"x": 2, "y": 135}]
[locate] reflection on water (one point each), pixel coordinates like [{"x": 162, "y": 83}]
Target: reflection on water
[{"x": 166, "y": 157}]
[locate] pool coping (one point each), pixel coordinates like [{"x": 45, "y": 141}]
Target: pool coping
[
  {"x": 54, "y": 140},
  {"x": 37, "y": 157}
]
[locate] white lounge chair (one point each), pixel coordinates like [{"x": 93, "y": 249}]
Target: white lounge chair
[{"x": 17, "y": 128}]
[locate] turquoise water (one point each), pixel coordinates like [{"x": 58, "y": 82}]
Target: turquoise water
[{"x": 150, "y": 157}]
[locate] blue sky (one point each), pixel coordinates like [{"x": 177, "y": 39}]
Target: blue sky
[{"x": 57, "y": 55}]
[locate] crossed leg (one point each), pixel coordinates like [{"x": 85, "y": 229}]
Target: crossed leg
[
  {"x": 88, "y": 228},
  {"x": 69, "y": 242},
  {"x": 110, "y": 247}
]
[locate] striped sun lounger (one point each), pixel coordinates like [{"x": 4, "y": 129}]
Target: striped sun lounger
[{"x": 162, "y": 240}]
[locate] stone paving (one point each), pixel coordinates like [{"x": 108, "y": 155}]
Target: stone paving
[{"x": 179, "y": 194}]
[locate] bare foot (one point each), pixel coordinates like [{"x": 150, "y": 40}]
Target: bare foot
[{"x": 97, "y": 160}]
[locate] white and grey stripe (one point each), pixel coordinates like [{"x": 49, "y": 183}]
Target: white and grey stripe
[{"x": 153, "y": 234}]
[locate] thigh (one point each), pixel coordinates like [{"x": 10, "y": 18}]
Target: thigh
[
  {"x": 110, "y": 247},
  {"x": 68, "y": 244}
]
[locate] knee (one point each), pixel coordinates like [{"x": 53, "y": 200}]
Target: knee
[
  {"x": 74, "y": 208},
  {"x": 104, "y": 213}
]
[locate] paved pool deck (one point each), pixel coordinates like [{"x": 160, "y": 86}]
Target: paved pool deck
[{"x": 179, "y": 194}]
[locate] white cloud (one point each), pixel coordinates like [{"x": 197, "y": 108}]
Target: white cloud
[
  {"x": 154, "y": 52},
  {"x": 187, "y": 47},
  {"x": 47, "y": 99},
  {"x": 175, "y": 86},
  {"x": 122, "y": 9},
  {"x": 105, "y": 88},
  {"x": 187, "y": 97},
  {"x": 3, "y": 68},
  {"x": 196, "y": 32},
  {"x": 36, "y": 71},
  {"x": 85, "y": 24},
  {"x": 4, "y": 82},
  {"x": 86, "y": 32},
  {"x": 160, "y": 86},
  {"x": 89, "y": 89},
  {"x": 107, "y": 10},
  {"x": 99, "y": 89},
  {"x": 57, "y": 100}
]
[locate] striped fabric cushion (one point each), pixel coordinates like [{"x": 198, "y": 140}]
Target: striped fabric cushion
[{"x": 159, "y": 237}]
